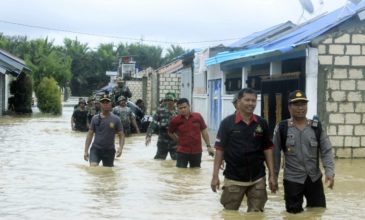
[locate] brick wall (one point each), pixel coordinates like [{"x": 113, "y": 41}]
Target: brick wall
[
  {"x": 342, "y": 65},
  {"x": 169, "y": 83},
  {"x": 136, "y": 87}
]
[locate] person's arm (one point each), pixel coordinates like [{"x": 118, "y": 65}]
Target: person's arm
[
  {"x": 89, "y": 138},
  {"x": 171, "y": 131},
  {"x": 121, "y": 143},
  {"x": 327, "y": 160},
  {"x": 173, "y": 136},
  {"x": 270, "y": 166},
  {"x": 151, "y": 128},
  {"x": 134, "y": 123},
  {"x": 205, "y": 135},
  {"x": 218, "y": 159},
  {"x": 72, "y": 123}
]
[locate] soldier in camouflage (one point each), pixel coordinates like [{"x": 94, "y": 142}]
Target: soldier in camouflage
[
  {"x": 90, "y": 108},
  {"x": 126, "y": 116},
  {"x": 161, "y": 120},
  {"x": 120, "y": 90}
]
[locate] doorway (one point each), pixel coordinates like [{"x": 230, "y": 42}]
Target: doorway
[{"x": 274, "y": 99}]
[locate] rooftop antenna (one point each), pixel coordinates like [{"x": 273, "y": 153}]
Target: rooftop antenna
[{"x": 306, "y": 6}]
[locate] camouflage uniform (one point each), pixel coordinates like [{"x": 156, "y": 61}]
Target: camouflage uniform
[
  {"x": 125, "y": 114},
  {"x": 160, "y": 122},
  {"x": 120, "y": 90}
]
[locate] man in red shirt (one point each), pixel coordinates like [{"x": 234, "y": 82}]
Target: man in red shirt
[{"x": 187, "y": 128}]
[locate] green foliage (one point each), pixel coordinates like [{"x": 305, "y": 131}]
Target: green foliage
[
  {"x": 49, "y": 96},
  {"x": 74, "y": 65},
  {"x": 173, "y": 52},
  {"x": 144, "y": 55},
  {"x": 28, "y": 90},
  {"x": 46, "y": 60},
  {"x": 21, "y": 89}
]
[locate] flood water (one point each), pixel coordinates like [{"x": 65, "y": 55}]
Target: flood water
[{"x": 43, "y": 176}]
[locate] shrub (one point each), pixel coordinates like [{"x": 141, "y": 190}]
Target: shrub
[{"x": 49, "y": 96}]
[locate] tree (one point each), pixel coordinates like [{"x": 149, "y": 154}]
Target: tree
[
  {"x": 49, "y": 96},
  {"x": 173, "y": 52},
  {"x": 45, "y": 60},
  {"x": 81, "y": 64}
]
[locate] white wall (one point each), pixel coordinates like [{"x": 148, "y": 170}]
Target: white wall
[{"x": 200, "y": 104}]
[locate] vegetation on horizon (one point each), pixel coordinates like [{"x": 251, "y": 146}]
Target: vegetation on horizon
[{"x": 74, "y": 65}]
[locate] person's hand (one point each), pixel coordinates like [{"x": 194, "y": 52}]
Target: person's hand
[
  {"x": 86, "y": 156},
  {"x": 119, "y": 152},
  {"x": 215, "y": 183},
  {"x": 273, "y": 184},
  {"x": 148, "y": 140},
  {"x": 329, "y": 181},
  {"x": 210, "y": 151},
  {"x": 222, "y": 165}
]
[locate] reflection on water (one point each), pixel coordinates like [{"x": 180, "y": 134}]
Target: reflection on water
[{"x": 43, "y": 176}]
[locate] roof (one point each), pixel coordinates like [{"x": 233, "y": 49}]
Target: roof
[
  {"x": 264, "y": 35},
  {"x": 300, "y": 35},
  {"x": 11, "y": 63},
  {"x": 177, "y": 63}
]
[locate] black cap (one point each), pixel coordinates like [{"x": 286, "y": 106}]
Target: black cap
[{"x": 297, "y": 96}]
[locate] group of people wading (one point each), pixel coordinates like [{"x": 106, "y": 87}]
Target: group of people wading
[
  {"x": 242, "y": 148},
  {"x": 131, "y": 121}
]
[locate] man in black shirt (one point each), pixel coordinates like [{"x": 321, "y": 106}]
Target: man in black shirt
[
  {"x": 244, "y": 143},
  {"x": 79, "y": 118}
]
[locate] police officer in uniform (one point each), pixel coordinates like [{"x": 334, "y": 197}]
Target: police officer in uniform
[{"x": 161, "y": 120}]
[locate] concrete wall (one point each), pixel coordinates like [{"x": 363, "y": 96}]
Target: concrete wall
[
  {"x": 342, "y": 95},
  {"x": 136, "y": 87},
  {"x": 169, "y": 83}
]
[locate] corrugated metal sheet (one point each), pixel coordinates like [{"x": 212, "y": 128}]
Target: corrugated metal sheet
[
  {"x": 264, "y": 36},
  {"x": 300, "y": 35},
  {"x": 12, "y": 64}
]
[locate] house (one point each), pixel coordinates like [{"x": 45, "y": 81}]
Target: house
[
  {"x": 324, "y": 56},
  {"x": 10, "y": 67},
  {"x": 177, "y": 76},
  {"x": 222, "y": 85}
]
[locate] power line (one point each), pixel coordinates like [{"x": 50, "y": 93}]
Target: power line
[{"x": 114, "y": 37}]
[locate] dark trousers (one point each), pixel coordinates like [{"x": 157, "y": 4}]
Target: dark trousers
[
  {"x": 312, "y": 191},
  {"x": 183, "y": 159},
  {"x": 163, "y": 148},
  {"x": 105, "y": 155}
]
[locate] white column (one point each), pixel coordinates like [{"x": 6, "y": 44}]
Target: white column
[
  {"x": 311, "y": 89},
  {"x": 275, "y": 68},
  {"x": 245, "y": 76}
]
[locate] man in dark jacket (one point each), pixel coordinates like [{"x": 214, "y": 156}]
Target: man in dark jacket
[{"x": 243, "y": 141}]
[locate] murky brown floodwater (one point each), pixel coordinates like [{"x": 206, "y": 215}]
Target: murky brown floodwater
[{"x": 43, "y": 176}]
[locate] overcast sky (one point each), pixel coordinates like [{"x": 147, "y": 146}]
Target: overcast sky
[{"x": 189, "y": 23}]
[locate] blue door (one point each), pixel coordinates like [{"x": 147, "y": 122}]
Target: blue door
[{"x": 215, "y": 102}]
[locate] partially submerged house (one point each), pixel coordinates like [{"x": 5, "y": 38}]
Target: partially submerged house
[
  {"x": 325, "y": 57},
  {"x": 10, "y": 67},
  {"x": 177, "y": 76}
]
